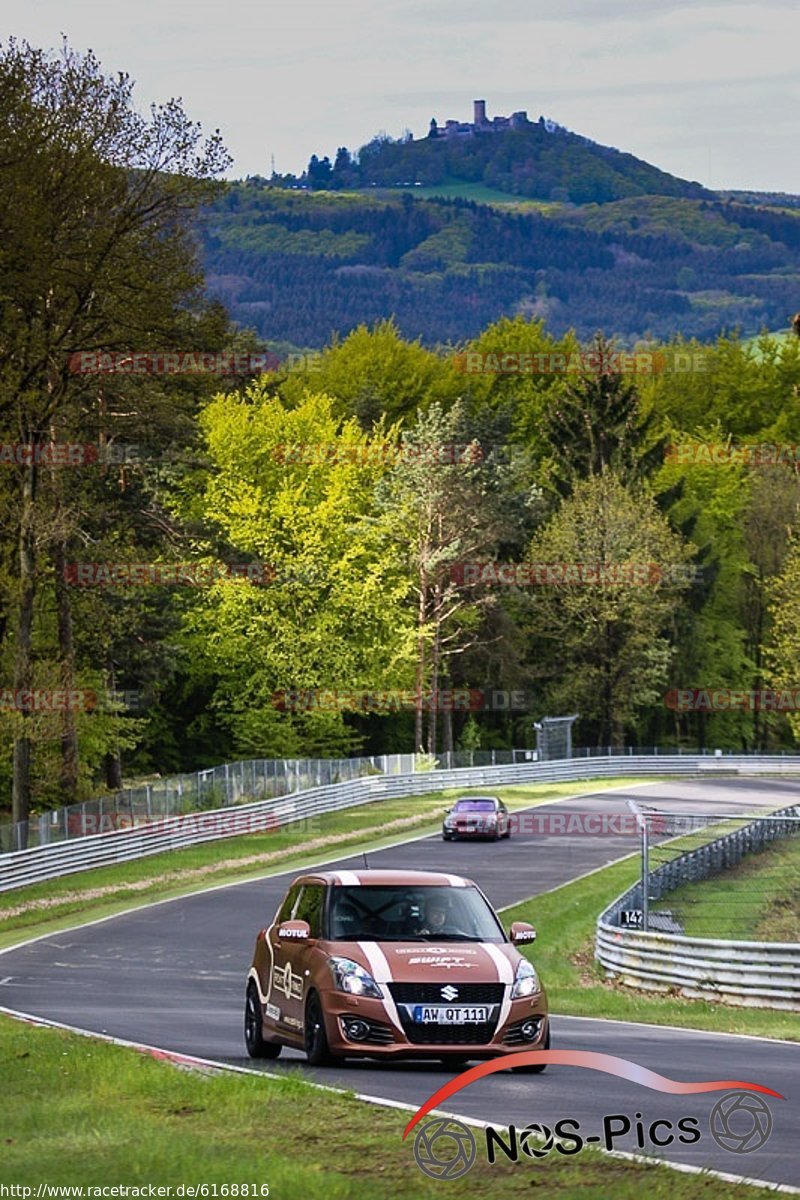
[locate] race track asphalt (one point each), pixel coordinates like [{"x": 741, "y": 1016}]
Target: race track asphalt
[{"x": 172, "y": 975}]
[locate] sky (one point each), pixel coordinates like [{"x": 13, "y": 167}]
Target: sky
[{"x": 708, "y": 91}]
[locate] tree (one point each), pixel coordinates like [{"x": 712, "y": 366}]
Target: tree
[
  {"x": 770, "y": 517},
  {"x": 292, "y": 488},
  {"x": 94, "y": 208},
  {"x": 598, "y": 424},
  {"x": 442, "y": 505},
  {"x": 319, "y": 172},
  {"x": 602, "y": 647}
]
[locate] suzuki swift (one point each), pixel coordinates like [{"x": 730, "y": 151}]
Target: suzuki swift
[{"x": 392, "y": 964}]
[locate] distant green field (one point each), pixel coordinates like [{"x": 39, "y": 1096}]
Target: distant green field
[{"x": 479, "y": 192}]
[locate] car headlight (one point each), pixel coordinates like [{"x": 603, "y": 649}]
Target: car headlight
[
  {"x": 449, "y": 822},
  {"x": 526, "y": 981},
  {"x": 351, "y": 977}
]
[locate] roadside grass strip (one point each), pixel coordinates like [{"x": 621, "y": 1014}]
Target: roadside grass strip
[
  {"x": 48, "y": 907},
  {"x": 563, "y": 953},
  {"x": 758, "y": 900},
  {"x": 79, "y": 1111}
]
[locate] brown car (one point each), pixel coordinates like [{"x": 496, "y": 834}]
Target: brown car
[{"x": 392, "y": 964}]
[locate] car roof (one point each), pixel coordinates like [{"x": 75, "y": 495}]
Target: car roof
[
  {"x": 376, "y": 878},
  {"x": 495, "y": 798}
]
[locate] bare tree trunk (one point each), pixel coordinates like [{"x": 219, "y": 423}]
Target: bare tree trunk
[
  {"x": 447, "y": 718},
  {"x": 112, "y": 761},
  {"x": 23, "y": 665},
  {"x": 420, "y": 667},
  {"x": 433, "y": 729},
  {"x": 66, "y": 642}
]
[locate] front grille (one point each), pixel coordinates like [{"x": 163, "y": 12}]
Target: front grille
[
  {"x": 448, "y": 1035},
  {"x": 431, "y": 993}
]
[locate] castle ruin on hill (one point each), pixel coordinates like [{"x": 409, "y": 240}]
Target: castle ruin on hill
[{"x": 480, "y": 123}]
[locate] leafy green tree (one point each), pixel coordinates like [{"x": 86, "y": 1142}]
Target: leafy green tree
[
  {"x": 603, "y": 649},
  {"x": 441, "y": 512},
  {"x": 293, "y": 488},
  {"x": 374, "y": 374},
  {"x": 94, "y": 207}
]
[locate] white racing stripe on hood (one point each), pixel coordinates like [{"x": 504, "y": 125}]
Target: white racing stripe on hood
[
  {"x": 505, "y": 973},
  {"x": 381, "y": 973}
]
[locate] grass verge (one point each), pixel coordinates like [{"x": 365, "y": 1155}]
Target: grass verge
[
  {"x": 758, "y": 900},
  {"x": 565, "y": 920},
  {"x": 82, "y": 1112},
  {"x": 47, "y": 907}
]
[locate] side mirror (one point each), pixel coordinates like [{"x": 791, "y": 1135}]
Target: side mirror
[
  {"x": 294, "y": 931},
  {"x": 522, "y": 933},
  {"x": 447, "y": 810}
]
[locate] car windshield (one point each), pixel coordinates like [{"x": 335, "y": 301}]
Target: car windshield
[
  {"x": 403, "y": 913},
  {"x": 475, "y": 806}
]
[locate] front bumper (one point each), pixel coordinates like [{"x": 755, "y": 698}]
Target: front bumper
[
  {"x": 482, "y": 831},
  {"x": 385, "y": 1040}
]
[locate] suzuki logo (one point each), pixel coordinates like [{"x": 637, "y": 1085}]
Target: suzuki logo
[{"x": 449, "y": 992}]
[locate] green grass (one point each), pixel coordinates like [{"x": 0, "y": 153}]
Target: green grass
[
  {"x": 576, "y": 984},
  {"x": 758, "y": 900},
  {"x": 83, "y": 1112},
  {"x": 479, "y": 192},
  {"x": 59, "y": 903}
]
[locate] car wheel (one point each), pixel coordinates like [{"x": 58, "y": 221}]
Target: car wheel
[
  {"x": 316, "y": 1039},
  {"x": 537, "y": 1070},
  {"x": 257, "y": 1045}
]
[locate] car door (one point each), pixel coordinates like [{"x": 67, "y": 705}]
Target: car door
[
  {"x": 278, "y": 984},
  {"x": 502, "y": 819},
  {"x": 293, "y": 966}
]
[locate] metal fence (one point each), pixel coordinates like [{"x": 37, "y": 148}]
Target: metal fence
[
  {"x": 174, "y": 831},
  {"x": 686, "y": 861},
  {"x": 261, "y": 779}
]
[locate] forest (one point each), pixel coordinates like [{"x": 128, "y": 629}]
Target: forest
[
  {"x": 300, "y": 267},
  {"x": 358, "y": 551}
]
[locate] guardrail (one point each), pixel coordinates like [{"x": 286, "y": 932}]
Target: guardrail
[
  {"x": 171, "y": 833},
  {"x": 766, "y": 974},
  {"x": 258, "y": 779}
]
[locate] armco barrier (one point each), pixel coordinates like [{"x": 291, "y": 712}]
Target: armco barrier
[
  {"x": 171, "y": 833},
  {"x": 764, "y": 974}
]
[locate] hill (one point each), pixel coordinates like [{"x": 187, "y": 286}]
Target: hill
[
  {"x": 538, "y": 160},
  {"x": 298, "y": 266}
]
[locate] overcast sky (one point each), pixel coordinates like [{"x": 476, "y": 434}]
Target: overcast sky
[{"x": 708, "y": 91}]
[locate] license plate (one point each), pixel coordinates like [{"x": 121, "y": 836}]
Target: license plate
[{"x": 461, "y": 1015}]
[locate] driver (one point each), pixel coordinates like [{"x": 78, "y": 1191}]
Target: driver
[{"x": 437, "y": 914}]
